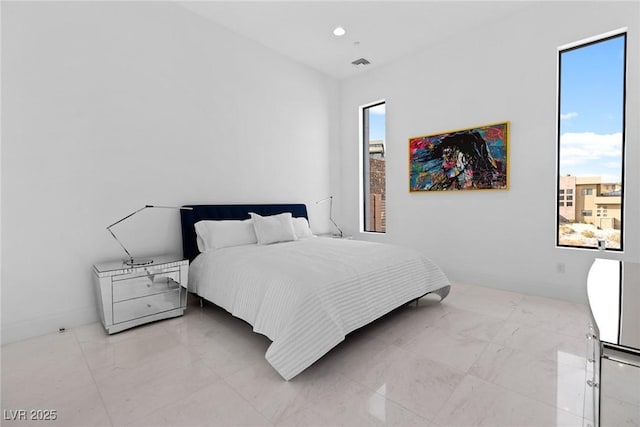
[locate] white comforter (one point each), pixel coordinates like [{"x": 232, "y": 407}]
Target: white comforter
[{"x": 306, "y": 295}]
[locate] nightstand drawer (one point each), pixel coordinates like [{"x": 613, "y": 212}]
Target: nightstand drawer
[
  {"x": 145, "y": 285},
  {"x": 145, "y": 271},
  {"x": 146, "y": 306}
]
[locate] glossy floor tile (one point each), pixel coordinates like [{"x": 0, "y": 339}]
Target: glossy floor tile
[{"x": 482, "y": 357}]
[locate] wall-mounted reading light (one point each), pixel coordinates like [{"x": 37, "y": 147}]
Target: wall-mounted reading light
[{"x": 131, "y": 261}]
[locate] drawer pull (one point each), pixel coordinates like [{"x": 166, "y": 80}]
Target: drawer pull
[
  {"x": 590, "y": 383},
  {"x": 591, "y": 336}
]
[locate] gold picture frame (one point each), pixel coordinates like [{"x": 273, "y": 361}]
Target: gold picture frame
[{"x": 474, "y": 158}]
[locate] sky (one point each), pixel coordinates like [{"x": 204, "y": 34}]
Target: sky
[
  {"x": 591, "y": 108},
  {"x": 377, "y": 122}
]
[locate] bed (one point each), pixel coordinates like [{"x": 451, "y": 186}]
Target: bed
[{"x": 305, "y": 293}]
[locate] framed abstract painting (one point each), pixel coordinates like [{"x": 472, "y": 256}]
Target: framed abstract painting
[{"x": 465, "y": 159}]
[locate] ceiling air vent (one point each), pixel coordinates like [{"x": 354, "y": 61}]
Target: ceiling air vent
[{"x": 360, "y": 63}]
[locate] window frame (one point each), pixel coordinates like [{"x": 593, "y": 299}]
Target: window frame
[
  {"x": 364, "y": 164},
  {"x": 623, "y": 32}
]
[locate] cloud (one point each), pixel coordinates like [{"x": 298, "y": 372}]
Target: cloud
[
  {"x": 600, "y": 151},
  {"x": 568, "y": 116}
]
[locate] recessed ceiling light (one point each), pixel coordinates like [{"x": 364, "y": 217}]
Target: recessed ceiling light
[{"x": 339, "y": 31}]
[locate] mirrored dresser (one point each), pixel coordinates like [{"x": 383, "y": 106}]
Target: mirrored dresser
[
  {"x": 612, "y": 395},
  {"x": 129, "y": 296}
]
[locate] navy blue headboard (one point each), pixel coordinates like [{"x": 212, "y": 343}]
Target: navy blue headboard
[{"x": 225, "y": 212}]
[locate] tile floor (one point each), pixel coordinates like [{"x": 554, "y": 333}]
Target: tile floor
[{"x": 482, "y": 357}]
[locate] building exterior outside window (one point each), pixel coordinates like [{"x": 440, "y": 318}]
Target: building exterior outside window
[{"x": 592, "y": 195}]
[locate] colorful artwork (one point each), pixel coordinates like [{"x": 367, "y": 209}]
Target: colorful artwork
[{"x": 466, "y": 159}]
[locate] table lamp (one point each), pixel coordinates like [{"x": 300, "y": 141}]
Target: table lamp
[
  {"x": 131, "y": 261},
  {"x": 330, "y": 199}
]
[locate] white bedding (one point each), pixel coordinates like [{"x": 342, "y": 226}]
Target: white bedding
[{"x": 306, "y": 295}]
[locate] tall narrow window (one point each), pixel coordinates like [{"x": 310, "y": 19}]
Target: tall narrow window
[
  {"x": 591, "y": 124},
  {"x": 374, "y": 167}
]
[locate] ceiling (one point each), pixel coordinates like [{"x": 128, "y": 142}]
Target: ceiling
[{"x": 380, "y": 31}]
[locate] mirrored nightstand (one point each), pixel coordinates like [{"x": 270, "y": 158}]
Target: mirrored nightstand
[{"x": 131, "y": 296}]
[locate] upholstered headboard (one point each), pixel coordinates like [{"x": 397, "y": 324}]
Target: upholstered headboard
[{"x": 226, "y": 212}]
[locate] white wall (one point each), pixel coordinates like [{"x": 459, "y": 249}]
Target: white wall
[
  {"x": 503, "y": 71},
  {"x": 108, "y": 106}
]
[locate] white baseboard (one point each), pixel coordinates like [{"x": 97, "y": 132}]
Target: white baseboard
[{"x": 22, "y": 330}]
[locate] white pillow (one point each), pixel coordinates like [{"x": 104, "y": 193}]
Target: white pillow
[
  {"x": 273, "y": 228},
  {"x": 301, "y": 227},
  {"x": 221, "y": 234}
]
